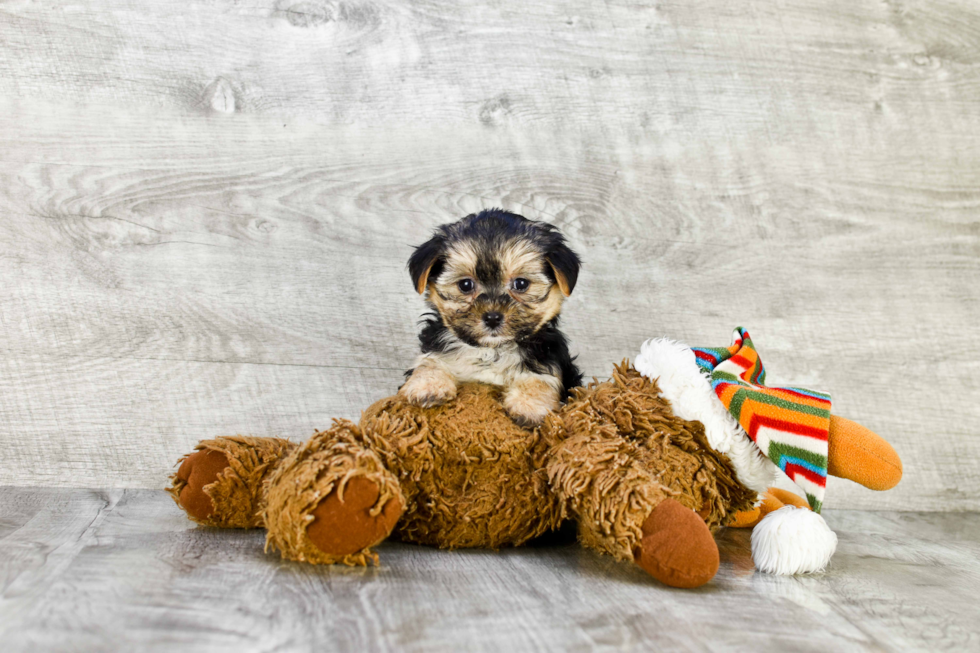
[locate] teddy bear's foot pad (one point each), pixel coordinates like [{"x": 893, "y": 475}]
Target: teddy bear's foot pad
[
  {"x": 198, "y": 470},
  {"x": 220, "y": 484},
  {"x": 343, "y": 522},
  {"x": 677, "y": 547}
]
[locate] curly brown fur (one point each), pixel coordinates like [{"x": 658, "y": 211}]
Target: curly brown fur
[
  {"x": 465, "y": 475},
  {"x": 495, "y": 282},
  {"x": 324, "y": 464},
  {"x": 620, "y": 450},
  {"x": 470, "y": 476}
]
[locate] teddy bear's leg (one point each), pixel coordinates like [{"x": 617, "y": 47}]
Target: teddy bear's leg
[
  {"x": 331, "y": 500},
  {"x": 622, "y": 508},
  {"x": 644, "y": 484},
  {"x": 677, "y": 547},
  {"x": 220, "y": 484}
]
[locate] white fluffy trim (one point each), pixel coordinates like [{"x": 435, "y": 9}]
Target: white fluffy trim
[
  {"x": 792, "y": 541},
  {"x": 689, "y": 392}
]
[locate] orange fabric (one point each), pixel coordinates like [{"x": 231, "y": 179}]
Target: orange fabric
[
  {"x": 749, "y": 518},
  {"x": 746, "y": 518},
  {"x": 789, "y": 498},
  {"x": 858, "y": 454},
  {"x": 770, "y": 503}
]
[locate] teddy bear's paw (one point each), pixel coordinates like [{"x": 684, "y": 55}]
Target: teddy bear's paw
[
  {"x": 197, "y": 471},
  {"x": 348, "y": 521},
  {"x": 220, "y": 484},
  {"x": 529, "y": 401},
  {"x": 677, "y": 547},
  {"x": 429, "y": 386}
]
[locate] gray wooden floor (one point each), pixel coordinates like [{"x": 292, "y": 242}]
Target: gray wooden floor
[{"x": 89, "y": 570}]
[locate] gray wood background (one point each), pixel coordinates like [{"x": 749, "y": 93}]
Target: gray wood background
[{"x": 206, "y": 209}]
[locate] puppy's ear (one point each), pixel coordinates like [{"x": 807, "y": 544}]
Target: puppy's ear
[
  {"x": 425, "y": 260},
  {"x": 565, "y": 264}
]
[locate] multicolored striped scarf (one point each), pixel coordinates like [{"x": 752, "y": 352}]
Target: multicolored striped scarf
[{"x": 789, "y": 425}]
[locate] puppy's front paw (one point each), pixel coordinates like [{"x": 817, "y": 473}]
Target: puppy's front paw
[
  {"x": 429, "y": 386},
  {"x": 529, "y": 401}
]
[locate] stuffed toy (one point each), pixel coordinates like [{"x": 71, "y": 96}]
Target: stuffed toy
[
  {"x": 766, "y": 429},
  {"x": 648, "y": 464}
]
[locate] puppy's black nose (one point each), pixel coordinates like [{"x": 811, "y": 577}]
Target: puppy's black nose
[{"x": 493, "y": 319}]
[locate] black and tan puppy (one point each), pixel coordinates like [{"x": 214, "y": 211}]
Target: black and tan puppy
[{"x": 495, "y": 282}]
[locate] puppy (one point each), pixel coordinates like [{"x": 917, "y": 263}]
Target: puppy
[{"x": 495, "y": 282}]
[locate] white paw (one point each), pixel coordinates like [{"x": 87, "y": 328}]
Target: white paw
[
  {"x": 429, "y": 387},
  {"x": 529, "y": 402}
]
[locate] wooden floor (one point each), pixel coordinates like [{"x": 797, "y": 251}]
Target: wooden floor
[{"x": 88, "y": 570}]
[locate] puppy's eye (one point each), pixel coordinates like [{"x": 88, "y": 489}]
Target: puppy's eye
[
  {"x": 521, "y": 284},
  {"x": 465, "y": 285}
]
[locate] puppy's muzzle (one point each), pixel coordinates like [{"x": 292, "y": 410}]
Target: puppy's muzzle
[{"x": 493, "y": 319}]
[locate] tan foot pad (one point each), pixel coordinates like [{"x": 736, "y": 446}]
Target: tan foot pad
[
  {"x": 345, "y": 527},
  {"x": 199, "y": 469},
  {"x": 677, "y": 547}
]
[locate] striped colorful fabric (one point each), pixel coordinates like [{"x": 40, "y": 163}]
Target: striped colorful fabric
[{"x": 789, "y": 425}]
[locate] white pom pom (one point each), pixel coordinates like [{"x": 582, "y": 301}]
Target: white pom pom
[{"x": 792, "y": 541}]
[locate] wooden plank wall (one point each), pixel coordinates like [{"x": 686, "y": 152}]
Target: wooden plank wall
[{"x": 206, "y": 208}]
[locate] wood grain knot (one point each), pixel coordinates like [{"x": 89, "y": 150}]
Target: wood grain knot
[
  {"x": 361, "y": 16},
  {"x": 220, "y": 96},
  {"x": 493, "y": 111},
  {"x": 305, "y": 14}
]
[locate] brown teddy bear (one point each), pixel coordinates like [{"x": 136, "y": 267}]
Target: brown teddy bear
[{"x": 642, "y": 483}]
